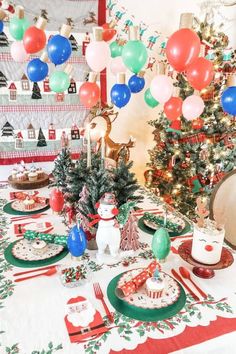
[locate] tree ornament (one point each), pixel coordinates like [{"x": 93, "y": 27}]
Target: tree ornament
[
  {"x": 120, "y": 92},
  {"x": 193, "y": 106},
  {"x": 97, "y": 52},
  {"x": 37, "y": 69},
  {"x": 134, "y": 53},
  {"x": 161, "y": 244},
  {"x": 18, "y": 24},
  {"x": 59, "y": 47},
  {"x": 116, "y": 49},
  {"x": 34, "y": 38},
  {"x": 117, "y": 66},
  {"x": 149, "y": 99},
  {"x": 136, "y": 83},
  {"x": 56, "y": 200},
  {"x": 59, "y": 81},
  {"x": 173, "y": 108},
  {"x": 200, "y": 73},
  {"x": 183, "y": 47},
  {"x": 197, "y": 123},
  {"x": 18, "y": 52},
  {"x": 2, "y": 16},
  {"x": 228, "y": 98},
  {"x": 108, "y": 31},
  {"x": 1, "y": 26},
  {"x": 77, "y": 241},
  {"x": 130, "y": 235},
  {"x": 89, "y": 92}
]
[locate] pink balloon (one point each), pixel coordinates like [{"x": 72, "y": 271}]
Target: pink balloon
[
  {"x": 161, "y": 88},
  {"x": 97, "y": 55},
  {"x": 193, "y": 106},
  {"x": 117, "y": 66},
  {"x": 18, "y": 52}
]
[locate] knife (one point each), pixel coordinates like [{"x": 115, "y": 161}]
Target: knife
[{"x": 180, "y": 279}]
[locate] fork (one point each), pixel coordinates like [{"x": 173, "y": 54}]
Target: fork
[{"x": 99, "y": 295}]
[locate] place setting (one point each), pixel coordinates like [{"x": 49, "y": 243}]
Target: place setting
[{"x": 24, "y": 204}]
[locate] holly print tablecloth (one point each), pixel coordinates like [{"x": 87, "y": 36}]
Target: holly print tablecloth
[{"x": 32, "y": 312}]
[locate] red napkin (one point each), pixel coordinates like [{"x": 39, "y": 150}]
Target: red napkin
[{"x": 132, "y": 286}]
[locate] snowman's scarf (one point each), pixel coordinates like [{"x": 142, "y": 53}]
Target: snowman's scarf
[{"x": 96, "y": 218}]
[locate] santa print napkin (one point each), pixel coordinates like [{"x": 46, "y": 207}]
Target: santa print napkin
[
  {"x": 20, "y": 229},
  {"x": 83, "y": 320},
  {"x": 132, "y": 286}
]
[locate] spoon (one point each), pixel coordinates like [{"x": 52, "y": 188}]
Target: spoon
[
  {"x": 48, "y": 274},
  {"x": 185, "y": 274}
]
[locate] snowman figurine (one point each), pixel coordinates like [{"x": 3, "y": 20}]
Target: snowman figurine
[{"x": 108, "y": 232}]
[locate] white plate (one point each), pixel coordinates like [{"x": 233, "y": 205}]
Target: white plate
[
  {"x": 23, "y": 250},
  {"x": 140, "y": 299}
]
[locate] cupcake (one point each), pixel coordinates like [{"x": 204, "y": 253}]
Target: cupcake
[
  {"x": 26, "y": 173},
  {"x": 155, "y": 287},
  {"x": 29, "y": 204},
  {"x": 39, "y": 247},
  {"x": 20, "y": 176},
  {"x": 40, "y": 172},
  {"x": 14, "y": 174},
  {"x": 33, "y": 176}
]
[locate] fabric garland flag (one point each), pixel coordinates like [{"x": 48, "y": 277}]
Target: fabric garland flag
[
  {"x": 49, "y": 238},
  {"x": 160, "y": 220}
]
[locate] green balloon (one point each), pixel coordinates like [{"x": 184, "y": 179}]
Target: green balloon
[
  {"x": 59, "y": 81},
  {"x": 149, "y": 99},
  {"x": 161, "y": 243},
  {"x": 17, "y": 27},
  {"x": 116, "y": 49},
  {"x": 134, "y": 55}
]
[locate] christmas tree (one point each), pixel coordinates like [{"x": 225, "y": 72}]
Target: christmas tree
[
  {"x": 62, "y": 166},
  {"x": 3, "y": 40},
  {"x": 73, "y": 42},
  {"x": 190, "y": 157},
  {"x": 130, "y": 235},
  {"x": 41, "y": 139},
  {"x": 3, "y": 80},
  {"x": 36, "y": 95},
  {"x": 125, "y": 183}
]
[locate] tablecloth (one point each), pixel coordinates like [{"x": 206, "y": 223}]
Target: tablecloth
[{"x": 32, "y": 312}]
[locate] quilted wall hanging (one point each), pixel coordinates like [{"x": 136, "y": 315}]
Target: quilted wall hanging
[{"x": 34, "y": 121}]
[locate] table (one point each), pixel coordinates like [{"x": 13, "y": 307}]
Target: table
[{"x": 32, "y": 312}]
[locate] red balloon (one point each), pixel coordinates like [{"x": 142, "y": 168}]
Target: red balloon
[
  {"x": 173, "y": 108},
  {"x": 197, "y": 123},
  {"x": 182, "y": 48},
  {"x": 108, "y": 32},
  {"x": 200, "y": 73},
  {"x": 89, "y": 94},
  {"x": 34, "y": 40}
]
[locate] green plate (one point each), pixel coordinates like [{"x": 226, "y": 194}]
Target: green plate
[
  {"x": 146, "y": 315},
  {"x": 8, "y": 209},
  {"x": 150, "y": 231},
  {"x": 31, "y": 264}
]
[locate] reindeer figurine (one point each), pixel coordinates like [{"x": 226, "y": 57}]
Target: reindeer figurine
[
  {"x": 90, "y": 19},
  {"x": 201, "y": 211},
  {"x": 114, "y": 150}
]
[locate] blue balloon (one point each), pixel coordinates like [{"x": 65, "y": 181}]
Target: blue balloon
[
  {"x": 37, "y": 70},
  {"x": 59, "y": 49},
  {"x": 120, "y": 95},
  {"x": 1, "y": 26},
  {"x": 77, "y": 241},
  {"x": 228, "y": 100},
  {"x": 136, "y": 83}
]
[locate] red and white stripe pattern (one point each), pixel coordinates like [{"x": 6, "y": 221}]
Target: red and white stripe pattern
[
  {"x": 154, "y": 294},
  {"x": 42, "y": 108}
]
